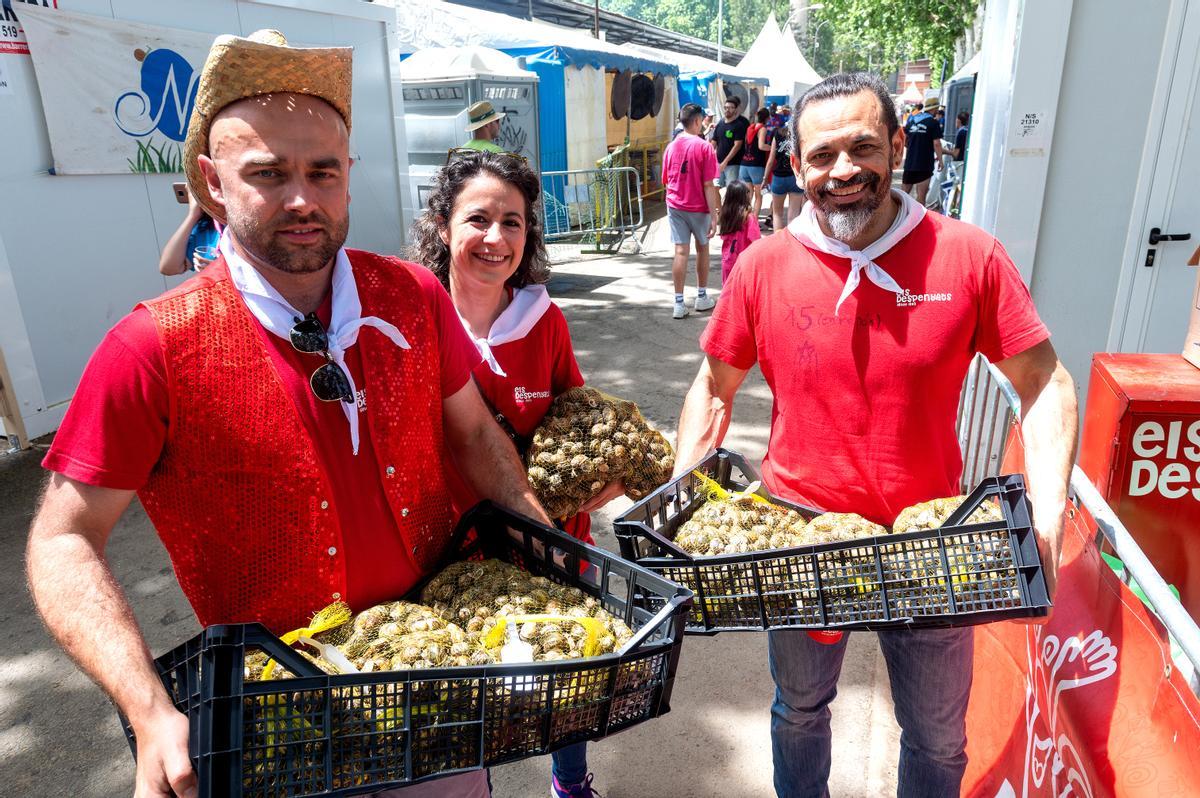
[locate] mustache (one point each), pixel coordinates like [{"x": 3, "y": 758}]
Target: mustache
[
  {"x": 315, "y": 219},
  {"x": 870, "y": 180}
]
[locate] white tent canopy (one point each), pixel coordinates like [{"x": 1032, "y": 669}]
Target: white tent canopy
[
  {"x": 775, "y": 54},
  {"x": 912, "y": 94},
  {"x": 688, "y": 63},
  {"x": 969, "y": 68},
  {"x": 462, "y": 62},
  {"x": 421, "y": 24}
]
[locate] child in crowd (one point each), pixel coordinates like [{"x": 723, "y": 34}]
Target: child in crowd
[{"x": 737, "y": 225}]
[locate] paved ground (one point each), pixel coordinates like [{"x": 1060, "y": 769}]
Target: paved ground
[{"x": 59, "y": 735}]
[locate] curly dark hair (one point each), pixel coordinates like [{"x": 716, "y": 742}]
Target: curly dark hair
[{"x": 429, "y": 249}]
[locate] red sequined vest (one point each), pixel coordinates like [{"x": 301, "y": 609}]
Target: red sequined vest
[{"x": 239, "y": 496}]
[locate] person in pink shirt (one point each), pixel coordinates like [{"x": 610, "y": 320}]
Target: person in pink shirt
[
  {"x": 737, "y": 224},
  {"x": 689, "y": 169}
]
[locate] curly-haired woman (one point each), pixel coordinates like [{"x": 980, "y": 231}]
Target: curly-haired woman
[{"x": 481, "y": 236}]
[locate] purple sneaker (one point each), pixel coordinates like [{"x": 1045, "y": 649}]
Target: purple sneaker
[{"x": 581, "y": 790}]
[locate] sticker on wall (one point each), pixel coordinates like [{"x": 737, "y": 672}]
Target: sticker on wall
[{"x": 12, "y": 33}]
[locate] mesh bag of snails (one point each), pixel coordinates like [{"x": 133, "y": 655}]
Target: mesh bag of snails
[
  {"x": 932, "y": 514},
  {"x": 734, "y": 523},
  {"x": 517, "y": 617},
  {"x": 970, "y": 558},
  {"x": 588, "y": 439},
  {"x": 474, "y": 613}
]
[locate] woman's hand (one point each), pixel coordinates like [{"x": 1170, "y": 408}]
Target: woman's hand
[{"x": 609, "y": 492}]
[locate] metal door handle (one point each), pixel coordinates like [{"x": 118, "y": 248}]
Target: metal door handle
[{"x": 1156, "y": 235}]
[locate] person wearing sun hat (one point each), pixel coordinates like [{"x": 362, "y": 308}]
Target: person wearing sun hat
[
  {"x": 281, "y": 416},
  {"x": 484, "y": 121}
]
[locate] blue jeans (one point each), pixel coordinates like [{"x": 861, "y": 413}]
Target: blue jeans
[
  {"x": 569, "y": 764},
  {"x": 930, "y": 673}
]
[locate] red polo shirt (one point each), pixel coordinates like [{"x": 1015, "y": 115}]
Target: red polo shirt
[{"x": 865, "y": 402}]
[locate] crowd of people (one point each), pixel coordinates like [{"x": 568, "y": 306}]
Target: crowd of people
[
  {"x": 753, "y": 158},
  {"x": 276, "y": 413}
]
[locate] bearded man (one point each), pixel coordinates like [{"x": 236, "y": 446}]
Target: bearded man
[
  {"x": 865, "y": 376},
  {"x": 281, "y": 415}
]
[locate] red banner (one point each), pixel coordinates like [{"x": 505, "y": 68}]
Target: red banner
[{"x": 1088, "y": 704}]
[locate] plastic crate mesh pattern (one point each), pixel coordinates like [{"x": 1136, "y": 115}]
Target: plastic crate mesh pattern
[
  {"x": 954, "y": 575},
  {"x": 316, "y": 734}
]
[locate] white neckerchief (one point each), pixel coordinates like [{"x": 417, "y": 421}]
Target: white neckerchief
[
  {"x": 527, "y": 307},
  {"x": 807, "y": 231},
  {"x": 278, "y": 316}
]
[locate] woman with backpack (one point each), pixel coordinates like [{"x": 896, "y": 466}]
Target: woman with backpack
[
  {"x": 782, "y": 180},
  {"x": 754, "y": 162}
]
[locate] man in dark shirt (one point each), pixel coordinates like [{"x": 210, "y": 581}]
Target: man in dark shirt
[
  {"x": 959, "y": 152},
  {"x": 729, "y": 137},
  {"x": 922, "y": 141}
]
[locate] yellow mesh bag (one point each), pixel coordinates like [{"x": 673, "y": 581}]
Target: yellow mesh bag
[
  {"x": 840, "y": 527},
  {"x": 588, "y": 439},
  {"x": 471, "y": 610},
  {"x": 733, "y": 523},
  {"x": 932, "y": 514},
  {"x": 555, "y": 619}
]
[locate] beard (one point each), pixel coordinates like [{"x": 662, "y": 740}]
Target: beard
[
  {"x": 847, "y": 222},
  {"x": 259, "y": 239}
]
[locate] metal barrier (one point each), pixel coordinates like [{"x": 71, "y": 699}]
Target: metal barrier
[
  {"x": 986, "y": 407},
  {"x": 646, "y": 157},
  {"x": 602, "y": 207},
  {"x": 985, "y": 412}
]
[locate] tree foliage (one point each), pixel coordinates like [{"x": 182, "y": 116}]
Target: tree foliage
[
  {"x": 883, "y": 34},
  {"x": 877, "y": 35},
  {"x": 743, "y": 19}
]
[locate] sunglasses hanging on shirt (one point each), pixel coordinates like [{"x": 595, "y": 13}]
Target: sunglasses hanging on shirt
[{"x": 328, "y": 383}]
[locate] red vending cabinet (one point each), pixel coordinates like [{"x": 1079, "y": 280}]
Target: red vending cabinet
[{"x": 1141, "y": 449}]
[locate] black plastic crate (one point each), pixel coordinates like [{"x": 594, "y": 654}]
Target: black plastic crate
[
  {"x": 957, "y": 575},
  {"x": 323, "y": 735}
]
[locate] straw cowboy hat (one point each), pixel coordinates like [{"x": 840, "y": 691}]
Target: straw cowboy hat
[
  {"x": 931, "y": 103},
  {"x": 238, "y": 68},
  {"x": 480, "y": 114}
]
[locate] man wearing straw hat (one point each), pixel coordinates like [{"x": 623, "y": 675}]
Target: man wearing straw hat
[
  {"x": 281, "y": 416},
  {"x": 484, "y": 121}
]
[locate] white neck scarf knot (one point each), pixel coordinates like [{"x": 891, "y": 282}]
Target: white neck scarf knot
[
  {"x": 807, "y": 231},
  {"x": 277, "y": 316},
  {"x": 526, "y": 308}
]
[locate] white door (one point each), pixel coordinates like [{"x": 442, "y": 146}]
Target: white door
[{"x": 1162, "y": 282}]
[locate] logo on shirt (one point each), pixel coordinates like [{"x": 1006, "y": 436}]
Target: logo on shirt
[
  {"x": 360, "y": 398},
  {"x": 907, "y": 299},
  {"x": 522, "y": 395}
]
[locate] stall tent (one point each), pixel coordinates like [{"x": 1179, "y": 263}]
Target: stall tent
[
  {"x": 440, "y": 83},
  {"x": 1072, "y": 173},
  {"x": 775, "y": 53},
  {"x": 701, "y": 81},
  {"x": 571, "y": 66},
  {"x": 78, "y": 251}
]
